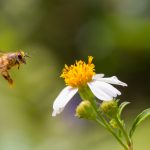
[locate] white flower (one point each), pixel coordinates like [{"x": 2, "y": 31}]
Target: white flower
[{"x": 101, "y": 87}]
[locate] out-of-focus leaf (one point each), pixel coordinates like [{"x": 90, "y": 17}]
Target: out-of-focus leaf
[
  {"x": 122, "y": 106},
  {"x": 140, "y": 118}
]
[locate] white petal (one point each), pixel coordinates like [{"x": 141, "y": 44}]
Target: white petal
[
  {"x": 109, "y": 88},
  {"x": 62, "y": 99},
  {"x": 112, "y": 80},
  {"x": 97, "y": 76},
  {"x": 100, "y": 94},
  {"x": 103, "y": 91}
]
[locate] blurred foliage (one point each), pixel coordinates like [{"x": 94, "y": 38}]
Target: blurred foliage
[{"x": 55, "y": 32}]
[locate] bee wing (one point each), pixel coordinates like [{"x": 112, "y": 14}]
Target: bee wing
[
  {"x": 2, "y": 66},
  {"x": 2, "y": 53}
]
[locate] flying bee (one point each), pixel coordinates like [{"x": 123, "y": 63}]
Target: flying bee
[{"x": 10, "y": 60}]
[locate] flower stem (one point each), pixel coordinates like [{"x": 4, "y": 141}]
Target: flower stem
[
  {"x": 86, "y": 94},
  {"x": 113, "y": 133},
  {"x": 131, "y": 147},
  {"x": 124, "y": 133}
]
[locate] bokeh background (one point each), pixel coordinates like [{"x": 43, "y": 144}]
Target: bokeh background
[{"x": 54, "y": 32}]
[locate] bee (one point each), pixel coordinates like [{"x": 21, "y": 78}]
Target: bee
[{"x": 10, "y": 60}]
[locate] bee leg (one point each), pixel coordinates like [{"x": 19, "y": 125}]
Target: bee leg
[
  {"x": 18, "y": 65},
  {"x": 6, "y": 75}
]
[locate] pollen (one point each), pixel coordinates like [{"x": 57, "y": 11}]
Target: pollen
[{"x": 79, "y": 74}]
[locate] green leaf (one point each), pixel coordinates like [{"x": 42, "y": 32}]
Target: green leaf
[
  {"x": 121, "y": 107},
  {"x": 140, "y": 118}
]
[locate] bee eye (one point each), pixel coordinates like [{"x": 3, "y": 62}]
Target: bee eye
[{"x": 19, "y": 56}]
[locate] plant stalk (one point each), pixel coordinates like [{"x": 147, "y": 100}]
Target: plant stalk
[
  {"x": 114, "y": 134},
  {"x": 128, "y": 140},
  {"x": 86, "y": 94}
]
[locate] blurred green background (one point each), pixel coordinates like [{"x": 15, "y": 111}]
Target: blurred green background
[{"x": 54, "y": 32}]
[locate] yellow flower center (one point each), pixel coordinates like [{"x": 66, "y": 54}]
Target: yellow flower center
[{"x": 79, "y": 74}]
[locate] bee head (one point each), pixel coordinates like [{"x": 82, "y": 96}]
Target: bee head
[{"x": 21, "y": 56}]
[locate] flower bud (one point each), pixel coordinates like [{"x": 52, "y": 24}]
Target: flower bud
[
  {"x": 85, "y": 110},
  {"x": 109, "y": 108},
  {"x": 113, "y": 123}
]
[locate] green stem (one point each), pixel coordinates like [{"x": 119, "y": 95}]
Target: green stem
[
  {"x": 107, "y": 126},
  {"x": 124, "y": 132},
  {"x": 130, "y": 147},
  {"x": 114, "y": 134},
  {"x": 86, "y": 94},
  {"x": 100, "y": 122}
]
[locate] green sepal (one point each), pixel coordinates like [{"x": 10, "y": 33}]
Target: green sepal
[
  {"x": 113, "y": 123},
  {"x": 86, "y": 110},
  {"x": 109, "y": 108},
  {"x": 138, "y": 120}
]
